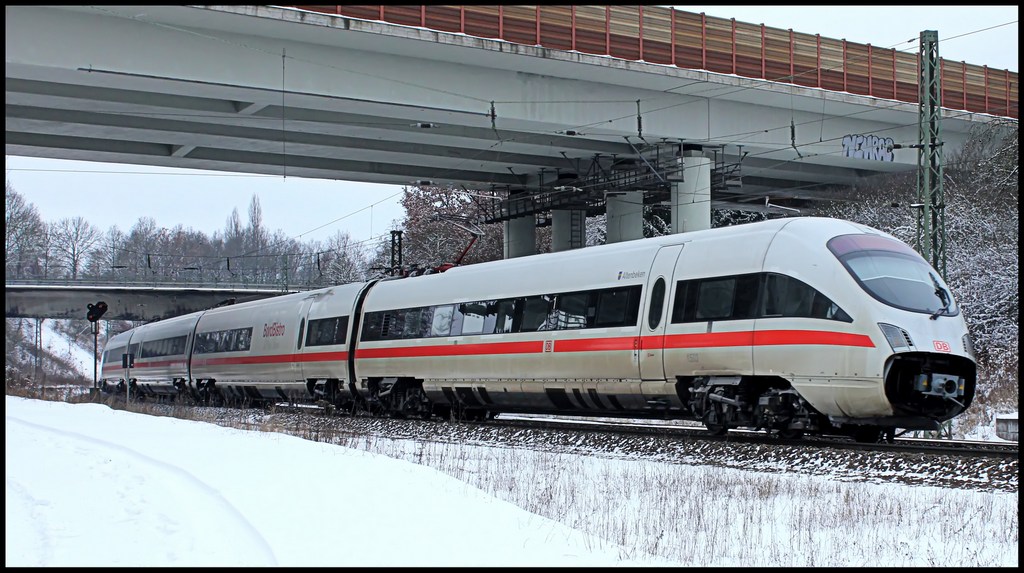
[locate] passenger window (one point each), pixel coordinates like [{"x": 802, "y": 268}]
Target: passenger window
[
  {"x": 302, "y": 329},
  {"x": 504, "y": 314},
  {"x": 474, "y": 315},
  {"x": 613, "y": 307},
  {"x": 714, "y": 299},
  {"x": 417, "y": 322},
  {"x": 657, "y": 302},
  {"x": 684, "y": 305},
  {"x": 787, "y": 296},
  {"x": 537, "y": 314},
  {"x": 572, "y": 310},
  {"x": 745, "y": 306},
  {"x": 441, "y": 323}
]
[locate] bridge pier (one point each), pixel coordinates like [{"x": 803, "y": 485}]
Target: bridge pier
[
  {"x": 568, "y": 229},
  {"x": 691, "y": 197},
  {"x": 625, "y": 216},
  {"x": 521, "y": 236}
]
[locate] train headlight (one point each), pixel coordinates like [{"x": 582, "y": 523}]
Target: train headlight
[{"x": 898, "y": 338}]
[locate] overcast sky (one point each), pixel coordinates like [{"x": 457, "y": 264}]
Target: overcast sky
[{"x": 305, "y": 209}]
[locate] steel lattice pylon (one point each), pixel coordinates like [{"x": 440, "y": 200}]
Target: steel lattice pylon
[{"x": 931, "y": 206}]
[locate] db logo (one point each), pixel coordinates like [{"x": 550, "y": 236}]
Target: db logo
[
  {"x": 549, "y": 346},
  {"x": 941, "y": 345}
]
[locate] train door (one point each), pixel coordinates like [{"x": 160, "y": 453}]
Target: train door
[
  {"x": 654, "y": 314},
  {"x": 300, "y": 342}
]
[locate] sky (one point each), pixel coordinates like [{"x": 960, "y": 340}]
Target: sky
[
  {"x": 314, "y": 209},
  {"x": 90, "y": 486}
]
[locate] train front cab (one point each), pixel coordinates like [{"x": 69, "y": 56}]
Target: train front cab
[
  {"x": 930, "y": 373},
  {"x": 870, "y": 310}
]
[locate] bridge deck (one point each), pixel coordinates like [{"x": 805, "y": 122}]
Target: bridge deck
[{"x": 661, "y": 35}]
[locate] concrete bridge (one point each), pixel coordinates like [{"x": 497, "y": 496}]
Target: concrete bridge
[
  {"x": 556, "y": 112},
  {"x": 124, "y": 302}
]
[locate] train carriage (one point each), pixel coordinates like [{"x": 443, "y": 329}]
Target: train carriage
[
  {"x": 160, "y": 366},
  {"x": 249, "y": 351},
  {"x": 548, "y": 333}
]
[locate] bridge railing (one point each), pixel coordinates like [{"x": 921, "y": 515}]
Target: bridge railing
[{"x": 668, "y": 36}]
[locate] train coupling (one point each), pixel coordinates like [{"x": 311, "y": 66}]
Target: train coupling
[{"x": 942, "y": 385}]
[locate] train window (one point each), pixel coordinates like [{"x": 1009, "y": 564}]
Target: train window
[
  {"x": 787, "y": 296},
  {"x": 113, "y": 355},
  {"x": 504, "y": 315},
  {"x": 617, "y": 307},
  {"x": 441, "y": 323},
  {"x": 163, "y": 347},
  {"x": 685, "y": 303},
  {"x": 745, "y": 305},
  {"x": 457, "y": 319},
  {"x": 418, "y": 322},
  {"x": 302, "y": 329},
  {"x": 537, "y": 314},
  {"x": 233, "y": 340},
  {"x": 327, "y": 331},
  {"x": 392, "y": 325},
  {"x": 573, "y": 310},
  {"x": 371, "y": 326},
  {"x": 474, "y": 317},
  {"x": 893, "y": 273},
  {"x": 714, "y": 298},
  {"x": 657, "y": 302}
]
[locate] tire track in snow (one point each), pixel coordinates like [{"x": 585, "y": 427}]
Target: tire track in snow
[{"x": 182, "y": 476}]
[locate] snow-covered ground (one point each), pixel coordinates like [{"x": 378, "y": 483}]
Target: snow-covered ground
[{"x": 87, "y": 485}]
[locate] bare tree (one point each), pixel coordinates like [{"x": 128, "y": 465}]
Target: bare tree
[
  {"x": 343, "y": 260},
  {"x": 435, "y": 228},
  {"x": 23, "y": 234},
  {"x": 73, "y": 239}
]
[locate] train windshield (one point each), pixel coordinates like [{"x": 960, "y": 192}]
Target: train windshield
[{"x": 893, "y": 273}]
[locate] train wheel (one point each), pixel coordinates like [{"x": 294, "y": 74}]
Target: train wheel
[{"x": 711, "y": 422}]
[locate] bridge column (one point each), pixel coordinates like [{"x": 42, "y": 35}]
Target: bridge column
[
  {"x": 691, "y": 197},
  {"x": 568, "y": 229},
  {"x": 625, "y": 216},
  {"x": 521, "y": 237}
]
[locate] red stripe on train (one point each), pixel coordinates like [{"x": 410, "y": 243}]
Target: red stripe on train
[
  {"x": 762, "y": 338},
  {"x": 671, "y": 341},
  {"x": 702, "y": 340}
]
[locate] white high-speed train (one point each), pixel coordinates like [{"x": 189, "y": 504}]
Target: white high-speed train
[{"x": 799, "y": 325}]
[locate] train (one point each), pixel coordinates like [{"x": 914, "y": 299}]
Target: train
[{"x": 796, "y": 326}]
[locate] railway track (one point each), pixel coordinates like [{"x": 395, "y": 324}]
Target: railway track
[
  {"x": 980, "y": 449},
  {"x": 940, "y": 463}
]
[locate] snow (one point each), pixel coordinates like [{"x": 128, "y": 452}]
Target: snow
[
  {"x": 91, "y": 486},
  {"x": 59, "y": 345}
]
